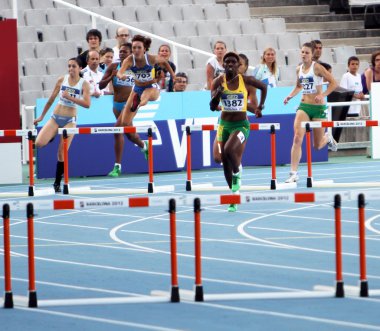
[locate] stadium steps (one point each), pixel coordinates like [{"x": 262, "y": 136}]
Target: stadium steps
[{"x": 289, "y": 10}]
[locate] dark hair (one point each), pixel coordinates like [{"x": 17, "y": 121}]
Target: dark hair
[
  {"x": 325, "y": 65},
  {"x": 145, "y": 40},
  {"x": 245, "y": 58},
  {"x": 310, "y": 45},
  {"x": 76, "y": 60},
  {"x": 106, "y": 50},
  {"x": 373, "y": 57},
  {"x": 233, "y": 54},
  {"x": 183, "y": 75},
  {"x": 316, "y": 42},
  {"x": 94, "y": 33},
  {"x": 352, "y": 58}
]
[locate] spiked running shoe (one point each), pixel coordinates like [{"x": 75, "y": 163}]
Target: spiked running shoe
[
  {"x": 236, "y": 182},
  {"x": 145, "y": 150},
  {"x": 116, "y": 171},
  {"x": 333, "y": 145},
  {"x": 57, "y": 188},
  {"x": 232, "y": 207},
  {"x": 293, "y": 177}
]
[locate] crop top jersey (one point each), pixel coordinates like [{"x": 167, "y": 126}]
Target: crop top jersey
[
  {"x": 129, "y": 81},
  {"x": 144, "y": 74},
  {"x": 309, "y": 81},
  {"x": 234, "y": 100},
  {"x": 74, "y": 91}
]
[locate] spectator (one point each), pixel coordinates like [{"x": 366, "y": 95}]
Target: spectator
[
  {"x": 94, "y": 40},
  {"x": 122, "y": 37},
  {"x": 372, "y": 74},
  {"x": 181, "y": 82},
  {"x": 164, "y": 79},
  {"x": 351, "y": 80},
  {"x": 214, "y": 66},
  {"x": 317, "y": 53},
  {"x": 93, "y": 74},
  {"x": 244, "y": 65},
  {"x": 106, "y": 58},
  {"x": 268, "y": 71}
]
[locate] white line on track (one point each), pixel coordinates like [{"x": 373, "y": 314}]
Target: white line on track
[{"x": 369, "y": 226}]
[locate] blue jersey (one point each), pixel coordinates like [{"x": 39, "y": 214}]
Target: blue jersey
[
  {"x": 129, "y": 81},
  {"x": 144, "y": 74}
]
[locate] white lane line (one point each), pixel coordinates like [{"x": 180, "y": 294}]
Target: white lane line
[{"x": 369, "y": 226}]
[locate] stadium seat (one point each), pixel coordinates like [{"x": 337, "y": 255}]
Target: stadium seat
[
  {"x": 280, "y": 57},
  {"x": 294, "y": 56},
  {"x": 338, "y": 70},
  {"x": 75, "y": 32},
  {"x": 201, "y": 42},
  {"x": 342, "y": 53},
  {"x": 215, "y": 12},
  {"x": 146, "y": 26},
  {"x": 193, "y": 13},
  {"x": 23, "y": 4},
  {"x": 327, "y": 55},
  {"x": 183, "y": 41},
  {"x": 35, "y": 17},
  {"x": 266, "y": 40},
  {"x": 104, "y": 11},
  {"x": 254, "y": 57},
  {"x": 111, "y": 3},
  {"x": 47, "y": 93},
  {"x": 207, "y": 28},
  {"x": 4, "y": 4},
  {"x": 49, "y": 81},
  {"x": 274, "y": 25},
  {"x": 197, "y": 76},
  {"x": 77, "y": 17},
  {"x": 35, "y": 67},
  {"x": 306, "y": 37},
  {"x": 204, "y": 2},
  {"x": 53, "y": 33},
  {"x": 125, "y": 15},
  {"x": 170, "y": 13},
  {"x": 251, "y": 26},
  {"x": 28, "y": 98},
  {"x": 42, "y": 4},
  {"x": 244, "y": 42},
  {"x": 288, "y": 40},
  {"x": 27, "y": 34},
  {"x": 228, "y": 27},
  {"x": 164, "y": 29},
  {"x": 57, "y": 66},
  {"x": 25, "y": 51},
  {"x": 67, "y": 49},
  {"x": 31, "y": 83},
  {"x": 8, "y": 13},
  {"x": 88, "y": 3},
  {"x": 128, "y": 3},
  {"x": 238, "y": 11},
  {"x": 288, "y": 73},
  {"x": 147, "y": 13},
  {"x": 181, "y": 2},
  {"x": 199, "y": 61},
  {"x": 185, "y": 29},
  {"x": 59, "y": 16},
  {"x": 185, "y": 62},
  {"x": 158, "y": 2},
  {"x": 46, "y": 49},
  {"x": 73, "y": 2}
]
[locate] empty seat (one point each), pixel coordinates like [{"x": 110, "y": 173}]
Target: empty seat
[
  {"x": 75, "y": 32},
  {"x": 8, "y": 13},
  {"x": 29, "y": 83},
  {"x": 264, "y": 41},
  {"x": 77, "y": 17},
  {"x": 27, "y": 34},
  {"x": 158, "y": 2},
  {"x": 57, "y": 66},
  {"x": 164, "y": 29},
  {"x": 73, "y": 2},
  {"x": 185, "y": 62},
  {"x": 201, "y": 42},
  {"x": 215, "y": 12},
  {"x": 306, "y": 37},
  {"x": 35, "y": 67},
  {"x": 35, "y": 17},
  {"x": 244, "y": 42},
  {"x": 111, "y": 3},
  {"x": 197, "y": 76},
  {"x": 294, "y": 56},
  {"x": 182, "y": 41},
  {"x": 288, "y": 73},
  {"x": 25, "y": 51},
  {"x": 342, "y": 53},
  {"x": 145, "y": 26},
  {"x": 274, "y": 25},
  {"x": 28, "y": 98},
  {"x": 238, "y": 10},
  {"x": 128, "y": 3},
  {"x": 254, "y": 57},
  {"x": 338, "y": 70},
  {"x": 67, "y": 49},
  {"x": 204, "y": 2},
  {"x": 288, "y": 40},
  {"x": 49, "y": 81},
  {"x": 185, "y": 29},
  {"x": 42, "y": 4},
  {"x": 53, "y": 33},
  {"x": 170, "y": 13},
  {"x": 229, "y": 27},
  {"x": 88, "y": 3},
  {"x": 181, "y": 2},
  {"x": 58, "y": 16},
  {"x": 251, "y": 26},
  {"x": 194, "y": 87},
  {"x": 46, "y": 49},
  {"x": 125, "y": 14},
  {"x": 4, "y": 4},
  {"x": 207, "y": 28},
  {"x": 327, "y": 55},
  {"x": 104, "y": 11},
  {"x": 23, "y": 4},
  {"x": 200, "y": 60},
  {"x": 192, "y": 13},
  {"x": 147, "y": 13},
  {"x": 280, "y": 57}
]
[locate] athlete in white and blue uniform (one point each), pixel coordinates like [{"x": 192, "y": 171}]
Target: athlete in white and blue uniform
[
  {"x": 72, "y": 91},
  {"x": 310, "y": 76},
  {"x": 145, "y": 88}
]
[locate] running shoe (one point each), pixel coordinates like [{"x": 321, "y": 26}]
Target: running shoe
[
  {"x": 293, "y": 177},
  {"x": 135, "y": 102},
  {"x": 57, "y": 188},
  {"x": 145, "y": 150},
  {"x": 116, "y": 171},
  {"x": 232, "y": 207},
  {"x": 333, "y": 145},
  {"x": 236, "y": 182}
]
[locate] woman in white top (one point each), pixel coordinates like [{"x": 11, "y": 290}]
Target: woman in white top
[
  {"x": 73, "y": 90},
  {"x": 214, "y": 66},
  {"x": 267, "y": 71},
  {"x": 310, "y": 76}
]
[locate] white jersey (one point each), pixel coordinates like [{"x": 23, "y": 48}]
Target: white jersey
[
  {"x": 74, "y": 91},
  {"x": 94, "y": 78},
  {"x": 352, "y": 83},
  {"x": 309, "y": 80},
  {"x": 263, "y": 73}
]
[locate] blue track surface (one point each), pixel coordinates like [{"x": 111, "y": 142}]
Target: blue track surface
[{"x": 264, "y": 247}]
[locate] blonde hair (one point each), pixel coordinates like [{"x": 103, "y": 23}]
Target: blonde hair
[{"x": 274, "y": 67}]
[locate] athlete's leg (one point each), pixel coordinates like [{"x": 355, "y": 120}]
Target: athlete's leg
[
  {"x": 216, "y": 151},
  {"x": 299, "y": 133},
  {"x": 149, "y": 94},
  {"x": 47, "y": 133}
]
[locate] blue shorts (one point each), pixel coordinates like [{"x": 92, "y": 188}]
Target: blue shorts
[
  {"x": 140, "y": 89},
  {"x": 119, "y": 106},
  {"x": 62, "y": 121}
]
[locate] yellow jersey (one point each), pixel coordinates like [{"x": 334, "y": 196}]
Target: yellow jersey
[{"x": 236, "y": 100}]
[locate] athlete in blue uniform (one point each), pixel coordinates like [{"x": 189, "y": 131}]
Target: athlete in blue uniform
[
  {"x": 145, "y": 88},
  {"x": 73, "y": 90},
  {"x": 232, "y": 90},
  {"x": 310, "y": 76}
]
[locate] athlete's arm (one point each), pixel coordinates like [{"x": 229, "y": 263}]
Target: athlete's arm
[
  {"x": 251, "y": 81},
  {"x": 322, "y": 72},
  {"x": 109, "y": 74},
  {"x": 297, "y": 89},
  {"x": 216, "y": 93},
  {"x": 127, "y": 64}
]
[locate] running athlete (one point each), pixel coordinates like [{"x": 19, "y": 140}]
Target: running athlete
[
  {"x": 233, "y": 90},
  {"x": 73, "y": 90},
  {"x": 145, "y": 88},
  {"x": 122, "y": 89},
  {"x": 310, "y": 76}
]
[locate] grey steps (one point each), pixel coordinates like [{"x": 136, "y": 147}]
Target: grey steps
[
  {"x": 366, "y": 49},
  {"x": 275, "y": 3},
  {"x": 363, "y": 42},
  {"x": 289, "y": 10},
  {"x": 350, "y": 34},
  {"x": 329, "y": 17},
  {"x": 320, "y": 26}
]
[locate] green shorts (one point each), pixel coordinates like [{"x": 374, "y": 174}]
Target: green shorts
[
  {"x": 313, "y": 111},
  {"x": 225, "y": 129}
]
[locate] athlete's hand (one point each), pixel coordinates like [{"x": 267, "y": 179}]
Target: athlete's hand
[
  {"x": 286, "y": 100},
  {"x": 37, "y": 120},
  {"x": 319, "y": 98},
  {"x": 258, "y": 113}
]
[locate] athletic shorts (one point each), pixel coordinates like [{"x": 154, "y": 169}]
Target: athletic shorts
[
  {"x": 226, "y": 128},
  {"x": 140, "y": 89},
  {"x": 313, "y": 111},
  {"x": 62, "y": 121},
  {"x": 119, "y": 106}
]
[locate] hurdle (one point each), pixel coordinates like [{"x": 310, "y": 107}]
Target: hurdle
[
  {"x": 113, "y": 130},
  {"x": 30, "y": 134},
  {"x": 209, "y": 187},
  {"x": 332, "y": 124}
]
